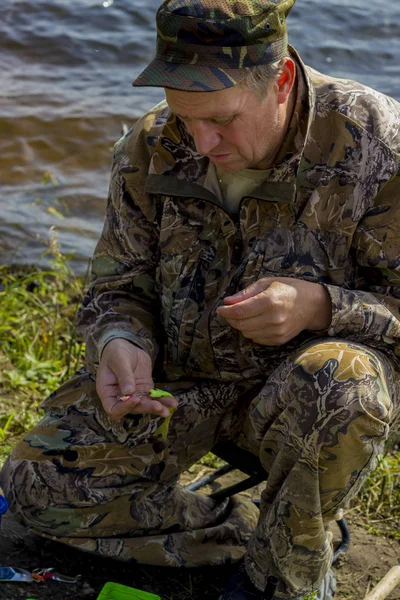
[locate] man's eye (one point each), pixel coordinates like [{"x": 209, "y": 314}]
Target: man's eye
[{"x": 225, "y": 122}]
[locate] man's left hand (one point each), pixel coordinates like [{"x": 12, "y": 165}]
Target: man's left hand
[{"x": 273, "y": 310}]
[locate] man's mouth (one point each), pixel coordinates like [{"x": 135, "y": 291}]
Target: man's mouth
[{"x": 219, "y": 156}]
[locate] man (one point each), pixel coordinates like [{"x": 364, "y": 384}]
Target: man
[{"x": 249, "y": 264}]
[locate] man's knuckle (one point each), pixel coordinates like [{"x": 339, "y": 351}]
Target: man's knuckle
[
  {"x": 237, "y": 312},
  {"x": 280, "y": 320},
  {"x": 269, "y": 301},
  {"x": 263, "y": 282}
]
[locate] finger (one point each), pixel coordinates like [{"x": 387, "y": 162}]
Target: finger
[
  {"x": 143, "y": 385},
  {"x": 259, "y": 324},
  {"x": 142, "y": 405},
  {"x": 107, "y": 388},
  {"x": 152, "y": 407},
  {"x": 269, "y": 300},
  {"x": 247, "y": 309},
  {"x": 117, "y": 409},
  {"x": 169, "y": 401},
  {"x": 252, "y": 290},
  {"x": 123, "y": 369},
  {"x": 165, "y": 401}
]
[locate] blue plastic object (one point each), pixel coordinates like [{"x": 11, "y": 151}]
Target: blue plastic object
[
  {"x": 15, "y": 574},
  {"x": 3, "y": 506}
]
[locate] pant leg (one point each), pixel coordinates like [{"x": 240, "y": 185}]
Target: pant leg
[
  {"x": 110, "y": 487},
  {"x": 319, "y": 423}
]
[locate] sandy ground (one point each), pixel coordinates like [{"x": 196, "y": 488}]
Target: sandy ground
[{"x": 367, "y": 561}]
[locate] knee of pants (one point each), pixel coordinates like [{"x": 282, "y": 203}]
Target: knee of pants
[
  {"x": 23, "y": 485},
  {"x": 343, "y": 381},
  {"x": 329, "y": 393},
  {"x": 57, "y": 503}
]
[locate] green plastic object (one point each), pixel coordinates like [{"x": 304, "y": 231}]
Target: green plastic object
[
  {"x": 156, "y": 393},
  {"x": 162, "y": 431},
  {"x": 116, "y": 591}
]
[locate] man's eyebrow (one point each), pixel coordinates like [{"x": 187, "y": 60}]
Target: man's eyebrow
[{"x": 213, "y": 118}]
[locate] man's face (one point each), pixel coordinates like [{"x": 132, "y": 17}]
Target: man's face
[{"x": 234, "y": 127}]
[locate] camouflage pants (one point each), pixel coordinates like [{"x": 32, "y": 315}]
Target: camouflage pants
[{"x": 317, "y": 423}]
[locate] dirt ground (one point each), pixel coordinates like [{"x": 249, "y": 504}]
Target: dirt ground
[{"x": 367, "y": 561}]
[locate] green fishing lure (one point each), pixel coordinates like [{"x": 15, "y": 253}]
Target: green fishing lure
[{"x": 163, "y": 429}]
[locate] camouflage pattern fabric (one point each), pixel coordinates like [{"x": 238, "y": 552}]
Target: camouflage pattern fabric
[
  {"x": 317, "y": 424},
  {"x": 167, "y": 257},
  {"x": 328, "y": 213},
  {"x": 208, "y": 45}
]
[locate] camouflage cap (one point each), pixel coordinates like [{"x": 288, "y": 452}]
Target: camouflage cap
[{"x": 208, "y": 45}]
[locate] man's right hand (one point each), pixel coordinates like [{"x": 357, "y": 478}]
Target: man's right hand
[{"x": 124, "y": 370}]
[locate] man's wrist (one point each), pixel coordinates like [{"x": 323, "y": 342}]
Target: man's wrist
[
  {"x": 120, "y": 334},
  {"x": 323, "y": 309}
]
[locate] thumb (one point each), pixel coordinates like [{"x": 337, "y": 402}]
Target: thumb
[
  {"x": 252, "y": 290},
  {"x": 123, "y": 370}
]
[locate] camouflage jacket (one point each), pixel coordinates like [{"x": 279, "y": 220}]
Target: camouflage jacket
[{"x": 328, "y": 213}]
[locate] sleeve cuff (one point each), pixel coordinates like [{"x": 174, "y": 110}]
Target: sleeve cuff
[
  {"x": 350, "y": 310},
  {"x": 124, "y": 335}
]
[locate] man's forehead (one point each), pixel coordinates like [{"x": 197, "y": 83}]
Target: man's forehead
[{"x": 212, "y": 105}]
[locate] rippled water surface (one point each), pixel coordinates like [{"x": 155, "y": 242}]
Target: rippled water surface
[{"x": 66, "y": 71}]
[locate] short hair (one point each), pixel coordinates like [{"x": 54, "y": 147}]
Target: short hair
[{"x": 261, "y": 78}]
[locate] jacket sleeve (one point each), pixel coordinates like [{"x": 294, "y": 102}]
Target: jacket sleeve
[
  {"x": 121, "y": 301},
  {"x": 370, "y": 313}
]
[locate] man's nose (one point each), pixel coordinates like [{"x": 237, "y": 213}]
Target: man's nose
[{"x": 205, "y": 137}]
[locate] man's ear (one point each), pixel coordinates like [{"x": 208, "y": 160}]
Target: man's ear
[{"x": 286, "y": 79}]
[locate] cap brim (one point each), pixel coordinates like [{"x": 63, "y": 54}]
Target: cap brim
[{"x": 189, "y": 78}]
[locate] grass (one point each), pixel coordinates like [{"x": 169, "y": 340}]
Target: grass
[
  {"x": 379, "y": 501},
  {"x": 39, "y": 349},
  {"x": 38, "y": 344}
]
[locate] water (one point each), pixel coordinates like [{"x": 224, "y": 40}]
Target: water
[{"x": 66, "y": 72}]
